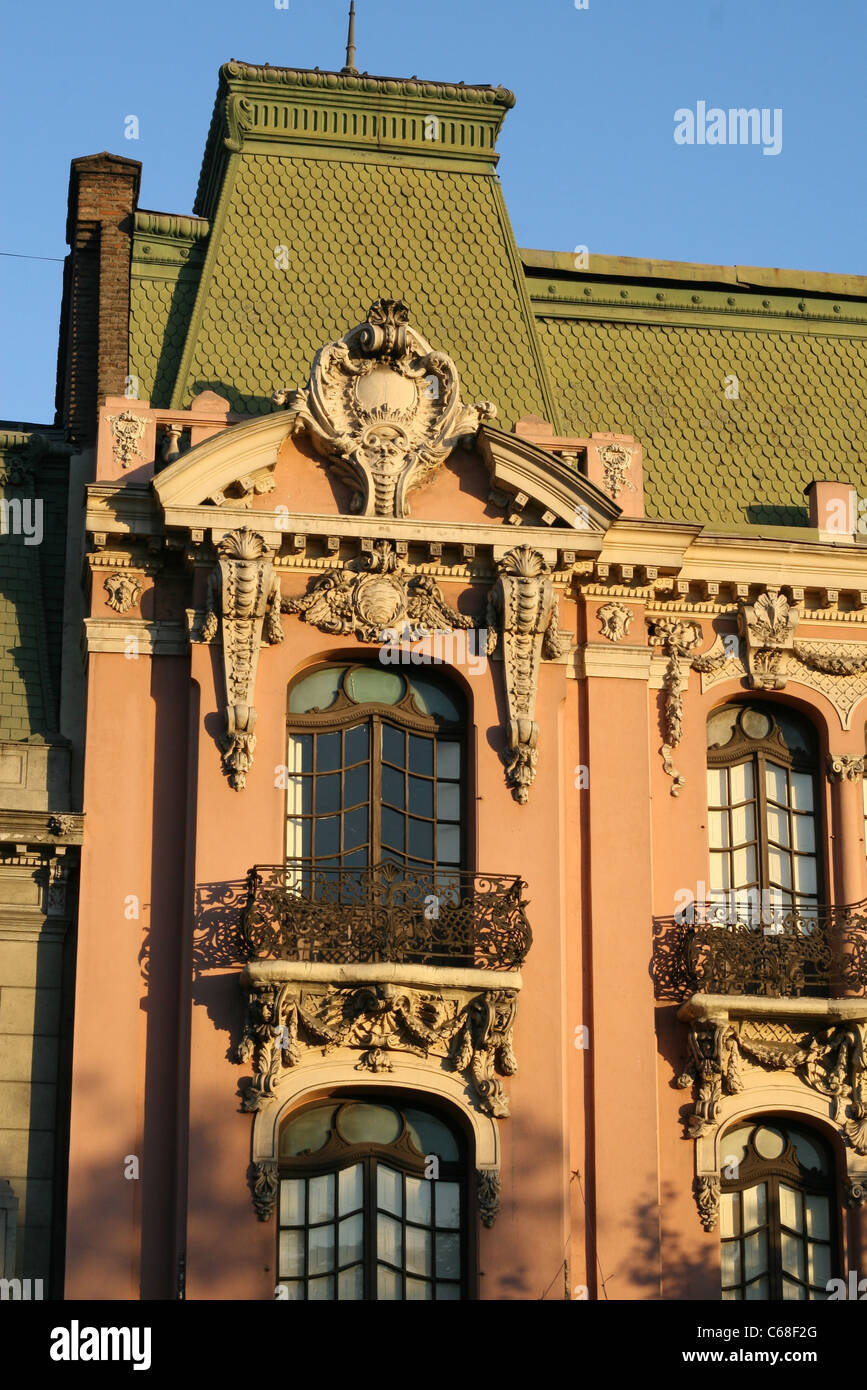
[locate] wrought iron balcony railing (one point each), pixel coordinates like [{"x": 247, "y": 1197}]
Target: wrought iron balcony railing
[
  {"x": 779, "y": 953},
  {"x": 388, "y": 912}
]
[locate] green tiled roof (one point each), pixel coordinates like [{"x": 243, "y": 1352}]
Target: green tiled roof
[
  {"x": 355, "y": 231},
  {"x": 166, "y": 264},
  {"x": 32, "y": 465}
]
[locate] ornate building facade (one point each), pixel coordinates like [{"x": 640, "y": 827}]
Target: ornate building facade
[{"x": 458, "y": 707}]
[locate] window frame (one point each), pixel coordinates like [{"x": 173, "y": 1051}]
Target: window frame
[{"x": 338, "y": 1154}]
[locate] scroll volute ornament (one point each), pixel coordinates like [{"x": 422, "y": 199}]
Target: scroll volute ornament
[
  {"x": 523, "y": 611},
  {"x": 244, "y": 592},
  {"x": 384, "y": 409}
]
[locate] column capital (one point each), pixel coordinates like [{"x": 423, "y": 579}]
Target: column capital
[{"x": 844, "y": 767}]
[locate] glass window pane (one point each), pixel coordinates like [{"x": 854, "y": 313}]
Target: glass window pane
[
  {"x": 755, "y": 1250},
  {"x": 420, "y": 796},
  {"x": 448, "y": 844},
  {"x": 299, "y": 796},
  {"x": 744, "y": 867},
  {"x": 294, "y": 1290},
  {"x": 775, "y": 783},
  {"x": 291, "y": 1253},
  {"x": 805, "y": 874},
  {"x": 326, "y": 839},
  {"x": 421, "y": 839},
  {"x": 374, "y": 685},
  {"x": 447, "y": 1199},
  {"x": 811, "y": 1153},
  {"x": 720, "y": 874},
  {"x": 299, "y": 839},
  {"x": 793, "y": 1293},
  {"x": 327, "y": 753},
  {"x": 393, "y": 829},
  {"x": 388, "y": 1241},
  {"x": 355, "y": 828},
  {"x": 388, "y": 1285},
  {"x": 327, "y": 795},
  {"x": 350, "y": 1244},
  {"x": 717, "y": 787},
  {"x": 321, "y": 1197},
  {"x": 778, "y": 826},
  {"x": 431, "y": 699},
  {"x": 421, "y": 755},
  {"x": 819, "y": 1264},
  {"x": 292, "y": 1192},
  {"x": 448, "y": 759},
  {"x": 793, "y": 1255},
  {"x": 418, "y": 1250},
  {"x": 818, "y": 1215},
  {"x": 320, "y": 1249},
  {"x": 418, "y": 1203},
  {"x": 418, "y": 1289},
  {"x": 779, "y": 868},
  {"x": 316, "y": 691},
  {"x": 743, "y": 824},
  {"x": 755, "y": 1206},
  {"x": 718, "y": 829},
  {"x": 389, "y": 1189},
  {"x": 355, "y": 785},
  {"x": 448, "y": 1256},
  {"x": 360, "y": 1123},
  {"x": 728, "y": 1212},
  {"x": 350, "y": 1284},
  {"x": 757, "y": 1292},
  {"x": 430, "y": 1136},
  {"x": 321, "y": 1289},
  {"x": 393, "y": 784},
  {"x": 720, "y": 727},
  {"x": 349, "y": 1189},
  {"x": 306, "y": 1132},
  {"x": 448, "y": 1291},
  {"x": 741, "y": 783},
  {"x": 356, "y": 744},
  {"x": 393, "y": 745},
  {"x": 730, "y": 1255},
  {"x": 804, "y": 831},
  {"x": 802, "y": 791},
  {"x": 448, "y": 801},
  {"x": 300, "y": 756}
]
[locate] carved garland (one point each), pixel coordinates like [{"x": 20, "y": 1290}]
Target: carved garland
[
  {"x": 679, "y": 640},
  {"x": 473, "y": 1034},
  {"x": 523, "y": 613}
]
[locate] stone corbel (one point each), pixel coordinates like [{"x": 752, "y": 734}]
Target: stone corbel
[
  {"x": 488, "y": 1194},
  {"x": 769, "y": 627},
  {"x": 523, "y": 614},
  {"x": 244, "y": 600},
  {"x": 266, "y": 1185}
]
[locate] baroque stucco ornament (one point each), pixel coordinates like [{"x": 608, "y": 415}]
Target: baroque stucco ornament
[
  {"x": 124, "y": 591},
  {"x": 523, "y": 613},
  {"x": 769, "y": 626},
  {"x": 245, "y": 594},
  {"x": 679, "y": 640},
  {"x": 615, "y": 620},
  {"x": 616, "y": 460},
  {"x": 127, "y": 430},
  {"x": 375, "y": 596},
  {"x": 384, "y": 409},
  {"x": 845, "y": 767},
  {"x": 471, "y": 1031}
]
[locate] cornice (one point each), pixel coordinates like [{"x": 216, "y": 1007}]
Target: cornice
[{"x": 41, "y": 827}]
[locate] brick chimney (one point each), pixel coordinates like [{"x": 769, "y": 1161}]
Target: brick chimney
[{"x": 93, "y": 355}]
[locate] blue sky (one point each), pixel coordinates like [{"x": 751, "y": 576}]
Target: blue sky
[{"x": 588, "y": 154}]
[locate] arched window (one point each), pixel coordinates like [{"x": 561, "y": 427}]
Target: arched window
[
  {"x": 372, "y": 1203},
  {"x": 762, "y": 794},
  {"x": 376, "y": 765},
  {"x": 777, "y": 1213}
]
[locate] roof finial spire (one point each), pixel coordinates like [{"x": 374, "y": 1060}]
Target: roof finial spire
[{"x": 350, "y": 42}]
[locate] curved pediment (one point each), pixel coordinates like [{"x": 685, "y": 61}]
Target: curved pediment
[{"x": 207, "y": 472}]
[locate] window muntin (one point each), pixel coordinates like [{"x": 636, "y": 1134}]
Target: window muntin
[
  {"x": 762, "y": 808},
  {"x": 358, "y": 1217},
  {"x": 777, "y": 1216},
  {"x": 375, "y": 771}
]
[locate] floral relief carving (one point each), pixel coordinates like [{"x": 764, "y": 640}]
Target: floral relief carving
[
  {"x": 124, "y": 591},
  {"x": 488, "y": 1194},
  {"x": 769, "y": 625},
  {"x": 615, "y": 620},
  {"x": 374, "y": 597},
  {"x": 523, "y": 614},
  {"x": 616, "y": 460},
  {"x": 384, "y": 409},
  {"x": 469, "y": 1032},
  {"x": 244, "y": 602},
  {"x": 679, "y": 640},
  {"x": 707, "y": 1195},
  {"x": 127, "y": 431},
  {"x": 833, "y": 668},
  {"x": 266, "y": 1185}
]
